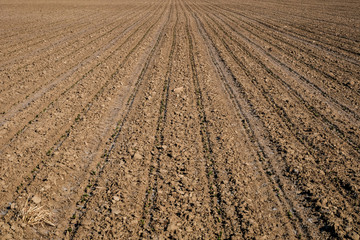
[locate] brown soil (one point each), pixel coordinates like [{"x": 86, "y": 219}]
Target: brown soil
[{"x": 179, "y": 119}]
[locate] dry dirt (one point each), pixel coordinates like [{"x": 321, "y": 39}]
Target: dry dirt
[{"x": 193, "y": 119}]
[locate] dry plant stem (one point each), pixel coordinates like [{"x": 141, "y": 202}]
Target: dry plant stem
[{"x": 34, "y": 215}]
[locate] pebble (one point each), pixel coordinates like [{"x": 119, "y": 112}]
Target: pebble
[
  {"x": 43, "y": 232},
  {"x": 36, "y": 199},
  {"x": 115, "y": 211},
  {"x": 178, "y": 90},
  {"x": 172, "y": 227},
  {"x": 137, "y": 156}
]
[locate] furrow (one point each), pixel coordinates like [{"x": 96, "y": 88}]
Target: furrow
[
  {"x": 44, "y": 91},
  {"x": 212, "y": 169},
  {"x": 346, "y": 72},
  {"x": 59, "y": 61},
  {"x": 293, "y": 73},
  {"x": 90, "y": 192},
  {"x": 151, "y": 194},
  {"x": 24, "y": 46},
  {"x": 339, "y": 132},
  {"x": 85, "y": 31},
  {"x": 330, "y": 49},
  {"x": 352, "y": 194},
  {"x": 40, "y": 117},
  {"x": 250, "y": 122},
  {"x": 9, "y": 61},
  {"x": 43, "y": 27}
]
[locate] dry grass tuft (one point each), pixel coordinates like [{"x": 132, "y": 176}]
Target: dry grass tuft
[{"x": 35, "y": 215}]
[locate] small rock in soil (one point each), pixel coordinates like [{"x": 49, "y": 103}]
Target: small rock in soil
[
  {"x": 178, "y": 90},
  {"x": 36, "y": 199},
  {"x": 137, "y": 156}
]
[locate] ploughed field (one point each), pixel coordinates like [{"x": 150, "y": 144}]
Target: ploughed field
[{"x": 180, "y": 119}]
